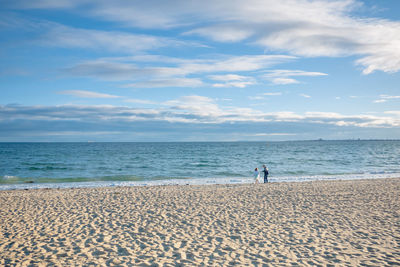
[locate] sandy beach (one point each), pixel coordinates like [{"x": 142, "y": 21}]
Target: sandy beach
[{"x": 336, "y": 223}]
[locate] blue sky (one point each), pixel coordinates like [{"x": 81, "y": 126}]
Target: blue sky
[{"x": 199, "y": 70}]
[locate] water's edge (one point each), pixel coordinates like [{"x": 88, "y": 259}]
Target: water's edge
[
  {"x": 191, "y": 181},
  {"x": 66, "y": 165}
]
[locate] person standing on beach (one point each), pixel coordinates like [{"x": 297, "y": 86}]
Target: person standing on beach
[
  {"x": 256, "y": 176},
  {"x": 265, "y": 171}
]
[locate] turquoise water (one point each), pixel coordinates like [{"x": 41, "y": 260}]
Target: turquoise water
[{"x": 209, "y": 162}]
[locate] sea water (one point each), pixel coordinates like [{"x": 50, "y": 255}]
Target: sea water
[{"x": 38, "y": 165}]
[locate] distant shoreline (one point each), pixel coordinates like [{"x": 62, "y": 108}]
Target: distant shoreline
[{"x": 239, "y": 141}]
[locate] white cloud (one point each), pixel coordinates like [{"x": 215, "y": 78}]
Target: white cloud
[
  {"x": 264, "y": 95},
  {"x": 234, "y": 84},
  {"x": 285, "y": 76},
  {"x": 224, "y": 63},
  {"x": 389, "y": 96},
  {"x": 303, "y": 28},
  {"x": 170, "y": 82},
  {"x": 52, "y": 34},
  {"x": 77, "y": 133},
  {"x": 193, "y": 110},
  {"x": 285, "y": 116},
  {"x": 305, "y": 96},
  {"x": 274, "y": 134},
  {"x": 362, "y": 121},
  {"x": 330, "y": 115},
  {"x": 106, "y": 69},
  {"x": 45, "y": 4},
  {"x": 291, "y": 73},
  {"x": 385, "y": 98},
  {"x": 87, "y": 94},
  {"x": 272, "y": 94},
  {"x": 393, "y": 112},
  {"x": 62, "y": 36},
  {"x": 139, "y": 101},
  {"x": 228, "y": 77},
  {"x": 223, "y": 33},
  {"x": 284, "y": 81},
  {"x": 256, "y": 97},
  {"x": 197, "y": 105},
  {"x": 155, "y": 73},
  {"x": 232, "y": 80}
]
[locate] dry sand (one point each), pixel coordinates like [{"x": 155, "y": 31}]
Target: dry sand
[{"x": 338, "y": 223}]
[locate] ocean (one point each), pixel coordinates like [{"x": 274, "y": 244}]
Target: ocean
[{"x": 60, "y": 165}]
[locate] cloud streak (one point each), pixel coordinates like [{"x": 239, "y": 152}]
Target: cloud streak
[
  {"x": 52, "y": 34},
  {"x": 232, "y": 80},
  {"x": 305, "y": 96},
  {"x": 87, "y": 94},
  {"x": 385, "y": 98},
  {"x": 170, "y": 82},
  {"x": 192, "y": 110},
  {"x": 316, "y": 28},
  {"x": 286, "y": 76},
  {"x": 187, "y": 118},
  {"x": 176, "y": 72}
]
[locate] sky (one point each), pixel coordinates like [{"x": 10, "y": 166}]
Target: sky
[{"x": 178, "y": 70}]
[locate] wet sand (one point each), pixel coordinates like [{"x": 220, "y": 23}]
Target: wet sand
[{"x": 340, "y": 223}]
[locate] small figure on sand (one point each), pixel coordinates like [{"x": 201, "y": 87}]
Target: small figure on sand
[
  {"x": 256, "y": 176},
  {"x": 265, "y": 171}
]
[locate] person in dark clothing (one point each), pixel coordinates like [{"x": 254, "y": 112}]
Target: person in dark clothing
[{"x": 265, "y": 171}]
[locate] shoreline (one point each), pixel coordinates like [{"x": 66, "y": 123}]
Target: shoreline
[
  {"x": 191, "y": 181},
  {"x": 340, "y": 222}
]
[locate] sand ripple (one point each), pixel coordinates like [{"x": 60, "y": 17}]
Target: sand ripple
[{"x": 340, "y": 223}]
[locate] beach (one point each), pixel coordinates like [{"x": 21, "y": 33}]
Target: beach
[{"x": 335, "y": 223}]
